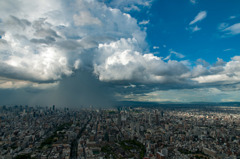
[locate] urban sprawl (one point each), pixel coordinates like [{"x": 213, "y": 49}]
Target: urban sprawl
[{"x": 124, "y": 132}]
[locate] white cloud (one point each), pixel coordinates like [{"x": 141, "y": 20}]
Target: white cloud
[
  {"x": 121, "y": 61},
  {"x": 200, "y": 16},
  {"x": 155, "y": 47},
  {"x": 144, "y": 22},
  {"x": 232, "y": 17},
  {"x": 221, "y": 73},
  {"x": 131, "y": 8},
  {"x": 177, "y": 54},
  {"x": 228, "y": 49},
  {"x": 43, "y": 41},
  {"x": 193, "y": 29},
  {"x": 130, "y": 5},
  {"x": 193, "y": 1},
  {"x": 196, "y": 28},
  {"x": 223, "y": 26},
  {"x": 232, "y": 30},
  {"x": 85, "y": 18}
]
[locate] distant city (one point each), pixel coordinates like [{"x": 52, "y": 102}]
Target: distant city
[{"x": 134, "y": 132}]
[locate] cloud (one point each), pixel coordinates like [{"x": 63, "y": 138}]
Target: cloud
[
  {"x": 177, "y": 54},
  {"x": 6, "y": 83},
  {"x": 196, "y": 28},
  {"x": 193, "y": 1},
  {"x": 228, "y": 49},
  {"x": 130, "y": 5},
  {"x": 202, "y": 62},
  {"x": 233, "y": 17},
  {"x": 144, "y": 22},
  {"x": 131, "y": 8},
  {"x": 78, "y": 90},
  {"x": 232, "y": 30},
  {"x": 190, "y": 95},
  {"x": 219, "y": 62},
  {"x": 222, "y": 26},
  {"x": 200, "y": 16},
  {"x": 44, "y": 43},
  {"x": 85, "y": 18},
  {"x": 193, "y": 29},
  {"x": 220, "y": 73},
  {"x": 123, "y": 61},
  {"x": 73, "y": 51}
]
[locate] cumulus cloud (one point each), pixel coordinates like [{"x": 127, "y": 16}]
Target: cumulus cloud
[
  {"x": 85, "y": 18},
  {"x": 122, "y": 61},
  {"x": 44, "y": 44},
  {"x": 199, "y": 17},
  {"x": 220, "y": 73}
]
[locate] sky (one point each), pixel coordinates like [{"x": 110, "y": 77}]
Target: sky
[{"x": 97, "y": 52}]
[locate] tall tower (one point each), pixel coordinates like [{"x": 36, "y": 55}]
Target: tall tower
[
  {"x": 149, "y": 119},
  {"x": 157, "y": 119},
  {"x": 162, "y": 114},
  {"x": 119, "y": 118}
]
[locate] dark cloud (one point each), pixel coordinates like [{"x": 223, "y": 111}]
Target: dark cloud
[
  {"x": 81, "y": 89},
  {"x": 47, "y": 40}
]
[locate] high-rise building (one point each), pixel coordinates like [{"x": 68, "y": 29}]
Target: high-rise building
[
  {"x": 157, "y": 119},
  {"x": 162, "y": 114},
  {"x": 149, "y": 119},
  {"x": 119, "y": 118},
  {"x": 160, "y": 156}
]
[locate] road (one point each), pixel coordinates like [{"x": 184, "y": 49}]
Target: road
[{"x": 74, "y": 145}]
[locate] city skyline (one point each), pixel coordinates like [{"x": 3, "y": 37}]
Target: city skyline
[{"x": 99, "y": 52}]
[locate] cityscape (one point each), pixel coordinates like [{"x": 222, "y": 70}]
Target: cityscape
[{"x": 121, "y": 132}]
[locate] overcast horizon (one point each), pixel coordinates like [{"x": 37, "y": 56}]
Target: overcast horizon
[{"x": 97, "y": 52}]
